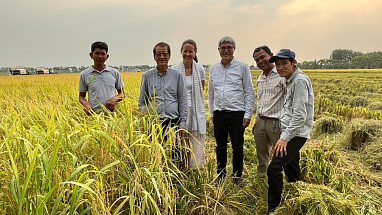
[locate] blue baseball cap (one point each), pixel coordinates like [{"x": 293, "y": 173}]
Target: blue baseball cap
[{"x": 283, "y": 53}]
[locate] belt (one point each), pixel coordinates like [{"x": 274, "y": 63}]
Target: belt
[
  {"x": 265, "y": 117},
  {"x": 225, "y": 111}
]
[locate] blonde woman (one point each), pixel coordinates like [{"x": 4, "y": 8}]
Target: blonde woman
[{"x": 194, "y": 76}]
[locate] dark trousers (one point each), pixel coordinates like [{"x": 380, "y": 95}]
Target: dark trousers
[
  {"x": 291, "y": 166},
  {"x": 229, "y": 123},
  {"x": 175, "y": 152}
]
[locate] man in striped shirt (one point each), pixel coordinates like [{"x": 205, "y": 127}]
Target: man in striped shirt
[{"x": 270, "y": 99}]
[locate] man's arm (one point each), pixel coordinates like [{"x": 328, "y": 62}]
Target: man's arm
[
  {"x": 249, "y": 96},
  {"x": 112, "y": 102},
  {"x": 211, "y": 97},
  {"x": 87, "y": 106},
  {"x": 83, "y": 88}
]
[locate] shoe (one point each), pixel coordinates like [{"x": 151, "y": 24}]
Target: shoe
[
  {"x": 270, "y": 211},
  {"x": 238, "y": 181}
]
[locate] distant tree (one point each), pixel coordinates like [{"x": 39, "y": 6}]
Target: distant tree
[
  {"x": 207, "y": 67},
  {"x": 344, "y": 55},
  {"x": 327, "y": 63}
]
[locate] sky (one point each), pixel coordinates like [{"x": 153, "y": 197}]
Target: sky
[{"x": 59, "y": 33}]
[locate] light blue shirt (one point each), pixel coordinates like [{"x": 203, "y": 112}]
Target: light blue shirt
[
  {"x": 231, "y": 88},
  {"x": 297, "y": 114},
  {"x": 165, "y": 93}
]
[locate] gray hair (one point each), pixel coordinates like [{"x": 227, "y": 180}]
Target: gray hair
[{"x": 227, "y": 39}]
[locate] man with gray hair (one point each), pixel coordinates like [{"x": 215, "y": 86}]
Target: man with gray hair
[{"x": 231, "y": 100}]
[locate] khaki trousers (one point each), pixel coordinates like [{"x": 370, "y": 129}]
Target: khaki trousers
[{"x": 266, "y": 133}]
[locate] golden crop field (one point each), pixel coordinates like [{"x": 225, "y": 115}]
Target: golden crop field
[{"x": 56, "y": 160}]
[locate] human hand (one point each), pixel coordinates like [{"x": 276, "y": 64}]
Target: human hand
[
  {"x": 182, "y": 133},
  {"x": 87, "y": 108},
  {"x": 111, "y": 103},
  {"x": 246, "y": 122},
  {"x": 280, "y": 147},
  {"x": 212, "y": 119}
]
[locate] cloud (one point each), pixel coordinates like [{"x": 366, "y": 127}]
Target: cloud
[
  {"x": 60, "y": 32},
  {"x": 330, "y": 8}
]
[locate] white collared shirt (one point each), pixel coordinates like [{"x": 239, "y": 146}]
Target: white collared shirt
[{"x": 231, "y": 88}]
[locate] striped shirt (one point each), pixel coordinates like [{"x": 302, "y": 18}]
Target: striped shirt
[{"x": 271, "y": 91}]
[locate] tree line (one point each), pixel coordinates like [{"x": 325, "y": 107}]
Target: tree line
[
  {"x": 339, "y": 59},
  {"x": 74, "y": 69},
  {"x": 346, "y": 59}
]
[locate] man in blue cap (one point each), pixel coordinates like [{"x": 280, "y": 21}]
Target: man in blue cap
[{"x": 296, "y": 122}]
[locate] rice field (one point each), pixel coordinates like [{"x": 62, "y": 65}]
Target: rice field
[{"x": 56, "y": 160}]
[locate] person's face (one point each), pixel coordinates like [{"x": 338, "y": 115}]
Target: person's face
[
  {"x": 262, "y": 60},
  {"x": 284, "y": 67},
  {"x": 188, "y": 52},
  {"x": 226, "y": 51},
  {"x": 99, "y": 56},
  {"x": 161, "y": 56}
]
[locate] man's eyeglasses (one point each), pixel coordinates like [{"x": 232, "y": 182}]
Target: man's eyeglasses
[
  {"x": 160, "y": 54},
  {"x": 229, "y": 48}
]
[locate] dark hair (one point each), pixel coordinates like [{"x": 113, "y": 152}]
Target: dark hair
[
  {"x": 100, "y": 45},
  {"x": 162, "y": 44},
  {"x": 265, "y": 48},
  {"x": 193, "y": 43}
]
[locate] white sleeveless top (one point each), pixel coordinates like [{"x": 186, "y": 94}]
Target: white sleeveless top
[{"x": 189, "y": 89}]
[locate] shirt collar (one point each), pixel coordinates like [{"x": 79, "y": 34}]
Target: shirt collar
[
  {"x": 296, "y": 72},
  {"x": 232, "y": 62},
  {"x": 156, "y": 70},
  {"x": 107, "y": 69},
  {"x": 274, "y": 70}
]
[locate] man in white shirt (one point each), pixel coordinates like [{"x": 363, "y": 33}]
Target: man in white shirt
[{"x": 231, "y": 100}]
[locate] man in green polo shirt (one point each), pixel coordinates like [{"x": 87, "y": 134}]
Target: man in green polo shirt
[{"x": 100, "y": 81}]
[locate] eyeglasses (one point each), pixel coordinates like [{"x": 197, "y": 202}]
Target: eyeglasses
[
  {"x": 229, "y": 48},
  {"x": 160, "y": 54}
]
